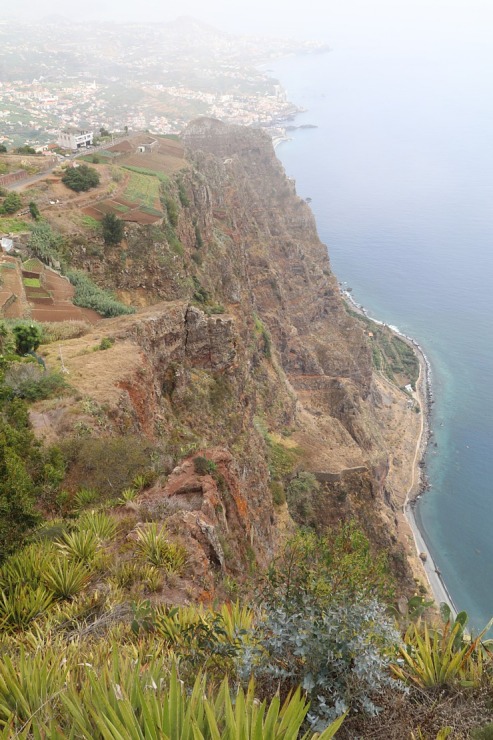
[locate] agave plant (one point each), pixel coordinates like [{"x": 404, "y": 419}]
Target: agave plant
[
  {"x": 29, "y": 691},
  {"x": 84, "y": 497},
  {"x": 127, "y": 496},
  {"x": 80, "y": 545},
  {"x": 66, "y": 578},
  {"x": 26, "y": 566},
  {"x": 155, "y": 548},
  {"x": 22, "y": 604},
  {"x": 99, "y": 523},
  {"x": 442, "y": 655},
  {"x": 138, "y": 708}
]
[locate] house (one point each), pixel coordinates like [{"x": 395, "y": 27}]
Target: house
[{"x": 75, "y": 138}]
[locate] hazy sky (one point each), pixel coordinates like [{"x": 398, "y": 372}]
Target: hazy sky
[{"x": 388, "y": 22}]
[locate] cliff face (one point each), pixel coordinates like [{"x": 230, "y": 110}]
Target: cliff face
[{"x": 283, "y": 371}]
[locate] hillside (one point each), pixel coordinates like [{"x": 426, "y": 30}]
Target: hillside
[{"x": 240, "y": 399}]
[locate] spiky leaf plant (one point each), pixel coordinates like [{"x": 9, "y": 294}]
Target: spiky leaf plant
[
  {"x": 29, "y": 684},
  {"x": 441, "y": 656},
  {"x": 155, "y": 548},
  {"x": 80, "y": 545},
  {"x": 66, "y": 578},
  {"x": 99, "y": 523},
  {"x": 20, "y": 605},
  {"x": 26, "y": 566},
  {"x": 127, "y": 495}
]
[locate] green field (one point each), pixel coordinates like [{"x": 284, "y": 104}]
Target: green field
[
  {"x": 31, "y": 282},
  {"x": 142, "y": 188},
  {"x": 14, "y": 225}
]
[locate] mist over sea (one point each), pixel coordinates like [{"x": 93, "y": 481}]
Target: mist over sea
[{"x": 400, "y": 173}]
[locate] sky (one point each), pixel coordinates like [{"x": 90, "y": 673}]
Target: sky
[{"x": 388, "y": 22}]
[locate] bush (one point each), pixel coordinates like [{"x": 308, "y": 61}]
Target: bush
[
  {"x": 27, "y": 338},
  {"x": 113, "y": 229},
  {"x": 81, "y": 178},
  {"x": 204, "y": 466},
  {"x": 12, "y": 203},
  {"x": 337, "y": 655}
]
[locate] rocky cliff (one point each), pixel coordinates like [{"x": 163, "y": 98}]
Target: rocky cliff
[{"x": 242, "y": 353}]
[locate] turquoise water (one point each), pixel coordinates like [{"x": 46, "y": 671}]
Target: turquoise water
[{"x": 400, "y": 173}]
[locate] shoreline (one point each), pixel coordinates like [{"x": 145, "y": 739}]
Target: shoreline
[{"x": 419, "y": 485}]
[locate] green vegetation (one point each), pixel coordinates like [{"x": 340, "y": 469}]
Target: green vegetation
[
  {"x": 27, "y": 338},
  {"x": 25, "y": 150},
  {"x": 143, "y": 188},
  {"x": 145, "y": 171},
  {"x": 90, "y": 223},
  {"x": 90, "y": 295},
  {"x": 34, "y": 211},
  {"x": 11, "y": 203},
  {"x": 113, "y": 229},
  {"x": 31, "y": 282},
  {"x": 45, "y": 243},
  {"x": 14, "y": 225},
  {"x": 81, "y": 178}
]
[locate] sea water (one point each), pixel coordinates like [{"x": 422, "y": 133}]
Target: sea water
[{"x": 400, "y": 175}]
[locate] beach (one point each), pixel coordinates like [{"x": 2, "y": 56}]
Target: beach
[{"x": 407, "y": 436}]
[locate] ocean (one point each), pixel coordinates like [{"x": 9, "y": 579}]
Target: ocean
[{"x": 400, "y": 175}]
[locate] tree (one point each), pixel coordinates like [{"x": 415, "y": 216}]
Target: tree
[
  {"x": 11, "y": 204},
  {"x": 81, "y": 178},
  {"x": 104, "y": 132},
  {"x": 34, "y": 211},
  {"x": 112, "y": 229},
  {"x": 27, "y": 338},
  {"x": 25, "y": 150},
  {"x": 3, "y": 148}
]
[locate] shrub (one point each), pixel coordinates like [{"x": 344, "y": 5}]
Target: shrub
[
  {"x": 107, "y": 464},
  {"x": 81, "y": 178},
  {"x": 204, "y": 466},
  {"x": 113, "y": 229},
  {"x": 27, "y": 338},
  {"x": 337, "y": 654},
  {"x": 12, "y": 203},
  {"x": 106, "y": 343},
  {"x": 34, "y": 211}
]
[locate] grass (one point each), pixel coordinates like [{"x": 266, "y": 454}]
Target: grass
[
  {"x": 146, "y": 171},
  {"x": 14, "y": 225},
  {"x": 90, "y": 223},
  {"x": 143, "y": 188},
  {"x": 31, "y": 282}
]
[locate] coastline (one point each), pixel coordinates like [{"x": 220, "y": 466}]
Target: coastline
[{"x": 423, "y": 396}]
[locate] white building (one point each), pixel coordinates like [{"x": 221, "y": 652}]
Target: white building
[{"x": 74, "y": 138}]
